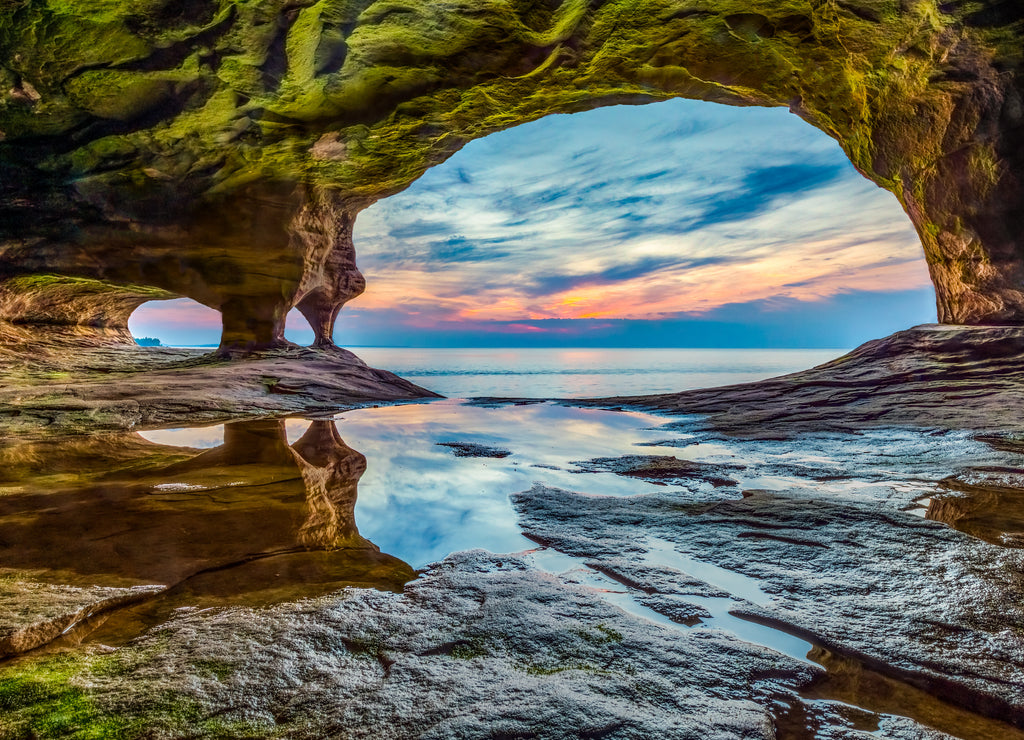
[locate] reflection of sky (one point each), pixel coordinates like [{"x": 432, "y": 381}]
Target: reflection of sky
[
  {"x": 199, "y": 437},
  {"x": 688, "y": 221},
  {"x": 418, "y": 501}
]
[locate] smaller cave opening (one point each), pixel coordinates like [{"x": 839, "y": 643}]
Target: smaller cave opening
[
  {"x": 183, "y": 322},
  {"x": 297, "y": 329},
  {"x": 180, "y": 322}
]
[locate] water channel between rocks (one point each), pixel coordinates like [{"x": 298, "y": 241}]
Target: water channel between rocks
[{"x": 260, "y": 512}]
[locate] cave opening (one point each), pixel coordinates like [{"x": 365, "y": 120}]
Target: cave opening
[
  {"x": 675, "y": 224},
  {"x": 183, "y": 322}
]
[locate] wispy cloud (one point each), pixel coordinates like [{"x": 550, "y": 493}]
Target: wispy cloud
[{"x": 640, "y": 213}]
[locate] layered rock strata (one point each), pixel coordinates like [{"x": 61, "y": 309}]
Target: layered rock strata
[
  {"x": 57, "y": 391},
  {"x": 931, "y": 376}
]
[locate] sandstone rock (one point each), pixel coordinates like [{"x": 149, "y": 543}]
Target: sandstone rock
[
  {"x": 483, "y": 646},
  {"x": 933, "y": 377},
  {"x": 33, "y": 614},
  {"x": 838, "y": 572},
  {"x": 61, "y": 388}
]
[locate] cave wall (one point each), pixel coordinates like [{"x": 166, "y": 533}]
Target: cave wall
[{"x": 221, "y": 149}]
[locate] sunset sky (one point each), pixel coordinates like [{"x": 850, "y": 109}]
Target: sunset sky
[{"x": 676, "y": 224}]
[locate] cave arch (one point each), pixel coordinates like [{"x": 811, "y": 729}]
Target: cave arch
[
  {"x": 299, "y": 330},
  {"x": 691, "y": 215},
  {"x": 224, "y": 157}
]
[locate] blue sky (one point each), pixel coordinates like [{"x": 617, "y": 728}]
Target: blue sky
[{"x": 675, "y": 224}]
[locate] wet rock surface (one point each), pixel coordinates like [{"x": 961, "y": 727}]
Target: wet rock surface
[
  {"x": 837, "y": 552},
  {"x": 819, "y": 572},
  {"x": 440, "y": 661},
  {"x": 470, "y": 449},
  {"x": 660, "y": 469},
  {"x": 59, "y": 389},
  {"x": 33, "y": 614},
  {"x": 841, "y": 573}
]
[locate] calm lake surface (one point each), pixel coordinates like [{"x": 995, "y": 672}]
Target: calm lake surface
[{"x": 582, "y": 373}]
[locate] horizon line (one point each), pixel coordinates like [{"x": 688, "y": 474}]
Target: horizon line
[{"x": 515, "y": 346}]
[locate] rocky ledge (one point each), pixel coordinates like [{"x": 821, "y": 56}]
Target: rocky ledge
[
  {"x": 931, "y": 376},
  {"x": 60, "y": 390},
  {"x": 833, "y": 554}
]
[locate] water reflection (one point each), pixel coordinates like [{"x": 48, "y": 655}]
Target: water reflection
[
  {"x": 258, "y": 512},
  {"x": 423, "y": 497},
  {"x": 264, "y": 511},
  {"x": 253, "y": 520},
  {"x": 992, "y": 513}
]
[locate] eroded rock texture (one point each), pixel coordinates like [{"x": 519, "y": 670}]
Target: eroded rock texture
[{"x": 220, "y": 149}]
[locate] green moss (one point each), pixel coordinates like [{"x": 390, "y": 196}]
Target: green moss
[
  {"x": 985, "y": 166},
  {"x": 54, "y": 375},
  {"x": 470, "y": 649},
  {"x": 117, "y": 95},
  {"x": 49, "y": 698},
  {"x": 545, "y": 669},
  {"x": 37, "y": 699},
  {"x": 224, "y": 96},
  {"x": 80, "y": 286},
  {"x": 406, "y": 52},
  {"x": 216, "y": 668},
  {"x": 605, "y": 635}
]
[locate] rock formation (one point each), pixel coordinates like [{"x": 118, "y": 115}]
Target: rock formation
[
  {"x": 930, "y": 376},
  {"x": 221, "y": 150}
]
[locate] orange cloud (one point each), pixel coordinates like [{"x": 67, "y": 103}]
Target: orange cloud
[{"x": 812, "y": 272}]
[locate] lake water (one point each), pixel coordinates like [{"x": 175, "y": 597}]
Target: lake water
[{"x": 582, "y": 373}]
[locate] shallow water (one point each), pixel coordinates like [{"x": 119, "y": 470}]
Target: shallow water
[
  {"x": 266, "y": 511},
  {"x": 420, "y": 501}
]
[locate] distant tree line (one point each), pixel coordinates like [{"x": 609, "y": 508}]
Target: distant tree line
[{"x": 147, "y": 342}]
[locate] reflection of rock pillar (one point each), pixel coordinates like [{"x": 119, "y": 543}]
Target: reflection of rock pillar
[
  {"x": 331, "y": 471},
  {"x": 323, "y": 232},
  {"x": 255, "y": 442}
]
